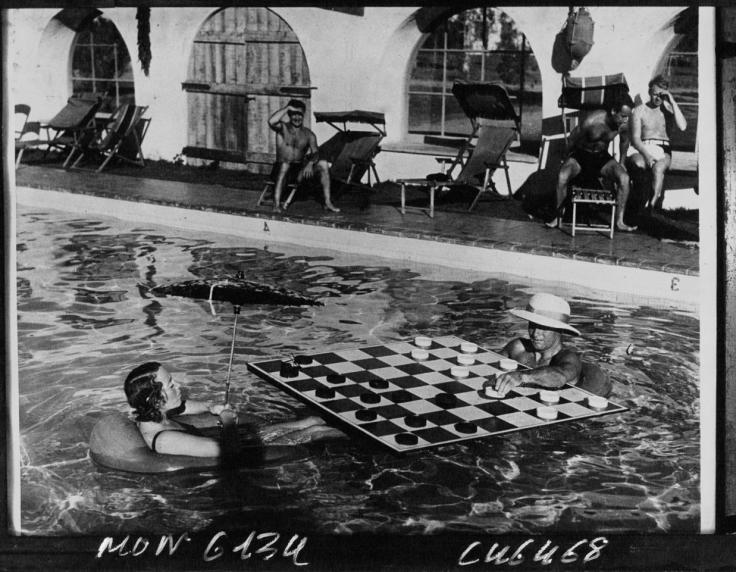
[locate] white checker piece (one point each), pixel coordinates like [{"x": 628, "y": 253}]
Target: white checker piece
[
  {"x": 387, "y": 372},
  {"x": 396, "y": 360},
  {"x": 344, "y": 367},
  {"x": 352, "y": 354}
]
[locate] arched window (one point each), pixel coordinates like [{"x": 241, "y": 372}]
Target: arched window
[
  {"x": 680, "y": 66},
  {"x": 481, "y": 44},
  {"x": 101, "y": 64}
]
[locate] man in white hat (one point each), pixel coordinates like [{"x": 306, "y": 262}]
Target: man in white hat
[{"x": 551, "y": 364}]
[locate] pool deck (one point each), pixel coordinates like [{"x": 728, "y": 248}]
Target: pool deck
[{"x": 484, "y": 228}]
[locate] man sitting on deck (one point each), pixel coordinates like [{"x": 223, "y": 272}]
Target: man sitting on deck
[
  {"x": 650, "y": 126},
  {"x": 588, "y": 158},
  {"x": 552, "y": 365},
  {"x": 297, "y": 154}
]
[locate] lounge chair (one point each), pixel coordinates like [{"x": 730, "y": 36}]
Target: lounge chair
[
  {"x": 76, "y": 118},
  {"x": 588, "y": 94},
  {"x": 494, "y": 127},
  {"x": 120, "y": 138},
  {"x": 349, "y": 152}
]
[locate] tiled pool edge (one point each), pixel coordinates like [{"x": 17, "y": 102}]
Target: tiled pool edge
[{"x": 679, "y": 286}]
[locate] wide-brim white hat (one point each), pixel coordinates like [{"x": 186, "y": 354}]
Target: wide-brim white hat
[{"x": 549, "y": 311}]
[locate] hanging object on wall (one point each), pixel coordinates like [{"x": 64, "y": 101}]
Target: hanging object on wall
[
  {"x": 574, "y": 41},
  {"x": 143, "y": 15}
]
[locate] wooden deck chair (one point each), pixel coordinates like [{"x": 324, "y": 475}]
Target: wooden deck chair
[
  {"x": 27, "y": 133},
  {"x": 120, "y": 138},
  {"x": 75, "y": 119},
  {"x": 486, "y": 156},
  {"x": 587, "y": 94},
  {"x": 351, "y": 152}
]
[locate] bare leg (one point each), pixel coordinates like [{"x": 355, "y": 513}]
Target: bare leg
[
  {"x": 278, "y": 186},
  {"x": 658, "y": 171},
  {"x": 300, "y": 431},
  {"x": 323, "y": 171},
  {"x": 613, "y": 171},
  {"x": 568, "y": 171}
]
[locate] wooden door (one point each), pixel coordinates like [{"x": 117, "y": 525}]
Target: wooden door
[{"x": 245, "y": 64}]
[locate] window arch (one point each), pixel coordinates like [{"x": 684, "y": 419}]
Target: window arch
[
  {"x": 480, "y": 44},
  {"x": 101, "y": 64}
]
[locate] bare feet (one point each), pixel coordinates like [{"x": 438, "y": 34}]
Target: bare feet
[
  {"x": 624, "y": 227},
  {"x": 331, "y": 207},
  {"x": 553, "y": 223},
  {"x": 276, "y": 209}
]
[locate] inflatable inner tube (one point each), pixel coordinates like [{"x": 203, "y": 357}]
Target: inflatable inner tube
[{"x": 116, "y": 443}]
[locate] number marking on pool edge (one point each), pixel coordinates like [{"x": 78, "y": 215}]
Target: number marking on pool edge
[{"x": 408, "y": 404}]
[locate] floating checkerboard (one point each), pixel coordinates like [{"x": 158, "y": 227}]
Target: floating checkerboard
[{"x": 424, "y": 394}]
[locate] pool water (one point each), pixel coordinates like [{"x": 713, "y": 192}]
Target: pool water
[{"x": 84, "y": 323}]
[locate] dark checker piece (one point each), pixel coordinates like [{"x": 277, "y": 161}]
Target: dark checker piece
[
  {"x": 325, "y": 392},
  {"x": 302, "y": 360},
  {"x": 288, "y": 369},
  {"x": 401, "y": 396},
  {"x": 366, "y": 415},
  {"x": 335, "y": 378},
  {"x": 446, "y": 400},
  {"x": 370, "y": 398},
  {"x": 378, "y": 383},
  {"x": 406, "y": 439},
  {"x": 466, "y": 427}
]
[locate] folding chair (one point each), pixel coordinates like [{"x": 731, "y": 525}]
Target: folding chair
[
  {"x": 267, "y": 194},
  {"x": 587, "y": 94},
  {"x": 120, "y": 138},
  {"x": 487, "y": 155},
  {"x": 76, "y": 118},
  {"x": 351, "y": 153},
  {"x": 494, "y": 127},
  {"x": 23, "y": 128}
]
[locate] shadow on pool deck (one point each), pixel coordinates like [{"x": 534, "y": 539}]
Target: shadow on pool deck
[{"x": 499, "y": 222}]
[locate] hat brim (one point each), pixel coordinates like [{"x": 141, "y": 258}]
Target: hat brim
[{"x": 544, "y": 321}]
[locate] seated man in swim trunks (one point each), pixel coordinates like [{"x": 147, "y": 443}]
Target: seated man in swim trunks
[
  {"x": 156, "y": 398},
  {"x": 588, "y": 159},
  {"x": 552, "y": 365},
  {"x": 650, "y": 127},
  {"x": 297, "y": 154}
]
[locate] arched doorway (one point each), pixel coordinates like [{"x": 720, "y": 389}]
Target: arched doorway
[{"x": 245, "y": 64}]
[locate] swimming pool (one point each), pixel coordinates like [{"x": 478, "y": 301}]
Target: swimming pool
[{"x": 84, "y": 323}]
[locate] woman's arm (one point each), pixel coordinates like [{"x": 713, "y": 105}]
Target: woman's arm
[{"x": 182, "y": 443}]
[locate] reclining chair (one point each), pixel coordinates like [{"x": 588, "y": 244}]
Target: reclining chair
[
  {"x": 76, "y": 118},
  {"x": 120, "y": 138},
  {"x": 495, "y": 126},
  {"x": 588, "y": 94},
  {"x": 349, "y": 152}
]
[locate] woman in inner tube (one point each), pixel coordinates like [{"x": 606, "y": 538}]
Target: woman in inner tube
[{"x": 156, "y": 398}]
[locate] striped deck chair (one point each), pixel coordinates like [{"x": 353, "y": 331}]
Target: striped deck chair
[
  {"x": 66, "y": 128},
  {"x": 120, "y": 138}
]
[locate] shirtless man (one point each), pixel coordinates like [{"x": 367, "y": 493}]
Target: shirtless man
[
  {"x": 588, "y": 158},
  {"x": 649, "y": 127},
  {"x": 552, "y": 365},
  {"x": 296, "y": 148}
]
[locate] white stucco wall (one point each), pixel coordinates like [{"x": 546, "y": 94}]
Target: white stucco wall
[{"x": 355, "y": 62}]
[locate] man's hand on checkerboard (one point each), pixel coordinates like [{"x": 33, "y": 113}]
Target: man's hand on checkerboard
[{"x": 503, "y": 383}]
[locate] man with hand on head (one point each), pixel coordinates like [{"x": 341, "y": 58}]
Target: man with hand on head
[
  {"x": 297, "y": 154},
  {"x": 551, "y": 364},
  {"x": 650, "y": 127}
]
